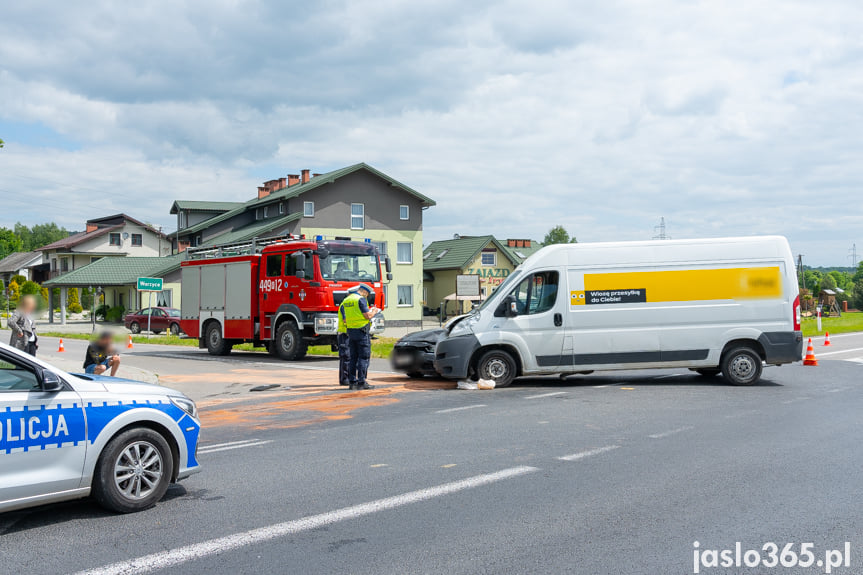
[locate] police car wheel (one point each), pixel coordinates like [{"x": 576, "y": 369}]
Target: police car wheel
[
  {"x": 289, "y": 343},
  {"x": 497, "y": 365},
  {"x": 135, "y": 327},
  {"x": 134, "y": 471},
  {"x": 741, "y": 366}
]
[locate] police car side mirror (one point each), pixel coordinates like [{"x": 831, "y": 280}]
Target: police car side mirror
[{"x": 51, "y": 381}]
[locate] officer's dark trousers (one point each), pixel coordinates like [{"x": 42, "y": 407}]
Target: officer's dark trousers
[
  {"x": 360, "y": 346},
  {"x": 344, "y": 358}
]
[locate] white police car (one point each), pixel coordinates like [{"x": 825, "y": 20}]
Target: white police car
[{"x": 66, "y": 437}]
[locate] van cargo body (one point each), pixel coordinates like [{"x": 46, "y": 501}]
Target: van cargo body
[{"x": 717, "y": 305}]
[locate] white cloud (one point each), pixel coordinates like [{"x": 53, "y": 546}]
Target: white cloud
[{"x": 726, "y": 118}]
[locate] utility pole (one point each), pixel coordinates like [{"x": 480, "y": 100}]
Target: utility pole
[
  {"x": 800, "y": 270},
  {"x": 660, "y": 231}
]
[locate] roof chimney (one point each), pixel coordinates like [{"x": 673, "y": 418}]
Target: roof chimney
[
  {"x": 510, "y": 243},
  {"x": 263, "y": 191},
  {"x": 305, "y": 176},
  {"x": 293, "y": 179},
  {"x": 527, "y": 243},
  {"x": 283, "y": 183},
  {"x": 315, "y": 175}
]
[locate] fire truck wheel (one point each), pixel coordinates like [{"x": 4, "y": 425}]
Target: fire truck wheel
[
  {"x": 289, "y": 342},
  {"x": 216, "y": 344}
]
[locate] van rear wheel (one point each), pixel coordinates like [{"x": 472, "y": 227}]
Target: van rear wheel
[
  {"x": 497, "y": 365},
  {"x": 741, "y": 366}
]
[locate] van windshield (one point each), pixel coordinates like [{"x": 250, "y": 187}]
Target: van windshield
[
  {"x": 502, "y": 288},
  {"x": 351, "y": 267}
]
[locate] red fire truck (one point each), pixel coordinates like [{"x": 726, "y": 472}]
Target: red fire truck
[{"x": 282, "y": 292}]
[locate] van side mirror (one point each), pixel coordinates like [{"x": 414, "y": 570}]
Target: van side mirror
[
  {"x": 507, "y": 308},
  {"x": 300, "y": 262},
  {"x": 51, "y": 381}
]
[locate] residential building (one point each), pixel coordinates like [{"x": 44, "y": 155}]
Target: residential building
[
  {"x": 20, "y": 264},
  {"x": 112, "y": 236},
  {"x": 356, "y": 202},
  {"x": 484, "y": 256},
  {"x": 117, "y": 279},
  {"x": 192, "y": 212}
]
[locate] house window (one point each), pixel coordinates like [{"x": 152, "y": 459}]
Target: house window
[
  {"x": 137, "y": 240},
  {"x": 266, "y": 211},
  {"x": 406, "y": 296},
  {"x": 95, "y": 258},
  {"x": 358, "y": 216},
  {"x": 197, "y": 241},
  {"x": 259, "y": 213},
  {"x": 281, "y": 208},
  {"x": 54, "y": 265},
  {"x": 64, "y": 264},
  {"x": 489, "y": 258},
  {"x": 182, "y": 223},
  {"x": 114, "y": 239},
  {"x": 404, "y": 253},
  {"x": 404, "y": 212},
  {"x": 382, "y": 247},
  {"x": 309, "y": 210}
]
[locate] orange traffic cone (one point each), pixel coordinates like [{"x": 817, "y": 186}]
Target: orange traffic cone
[
  {"x": 827, "y": 339},
  {"x": 810, "y": 355},
  {"x": 62, "y": 349},
  {"x": 129, "y": 343}
]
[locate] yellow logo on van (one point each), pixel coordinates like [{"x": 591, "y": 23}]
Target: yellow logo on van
[
  {"x": 689, "y": 285},
  {"x": 576, "y": 298}
]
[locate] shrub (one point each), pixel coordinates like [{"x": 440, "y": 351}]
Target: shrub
[
  {"x": 19, "y": 279},
  {"x": 102, "y": 311},
  {"x": 73, "y": 304},
  {"x": 115, "y": 314},
  {"x": 858, "y": 294},
  {"x": 29, "y": 288}
]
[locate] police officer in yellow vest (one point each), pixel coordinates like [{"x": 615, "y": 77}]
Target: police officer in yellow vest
[
  {"x": 344, "y": 349},
  {"x": 357, "y": 315}
]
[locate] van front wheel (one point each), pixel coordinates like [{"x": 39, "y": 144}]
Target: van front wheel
[
  {"x": 497, "y": 365},
  {"x": 741, "y": 366}
]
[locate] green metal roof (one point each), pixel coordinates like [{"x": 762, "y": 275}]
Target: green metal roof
[
  {"x": 202, "y": 206},
  {"x": 521, "y": 254},
  {"x": 457, "y": 253},
  {"x": 297, "y": 189},
  {"x": 260, "y": 228},
  {"x": 114, "y": 271}
]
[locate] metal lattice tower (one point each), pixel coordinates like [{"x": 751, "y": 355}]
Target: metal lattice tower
[
  {"x": 852, "y": 253},
  {"x": 660, "y": 231}
]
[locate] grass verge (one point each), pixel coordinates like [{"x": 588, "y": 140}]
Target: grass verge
[{"x": 850, "y": 321}]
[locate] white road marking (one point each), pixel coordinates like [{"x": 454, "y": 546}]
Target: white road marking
[
  {"x": 670, "y": 432},
  {"x": 795, "y": 400},
  {"x": 214, "y": 445},
  {"x": 450, "y": 410},
  {"x": 174, "y": 557},
  {"x": 836, "y": 390},
  {"x": 229, "y": 447},
  {"x": 856, "y": 360},
  {"x": 601, "y": 386},
  {"x": 588, "y": 453},
  {"x": 838, "y": 352},
  {"x": 546, "y": 395},
  {"x": 670, "y": 375}
]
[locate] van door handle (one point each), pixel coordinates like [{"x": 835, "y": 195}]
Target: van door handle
[{"x": 558, "y": 320}]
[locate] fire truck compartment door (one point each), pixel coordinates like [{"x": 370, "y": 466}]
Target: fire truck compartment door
[{"x": 238, "y": 291}]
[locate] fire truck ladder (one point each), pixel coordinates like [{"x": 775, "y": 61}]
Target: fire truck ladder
[{"x": 243, "y": 248}]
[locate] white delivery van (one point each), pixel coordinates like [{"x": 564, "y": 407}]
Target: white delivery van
[{"x": 724, "y": 305}]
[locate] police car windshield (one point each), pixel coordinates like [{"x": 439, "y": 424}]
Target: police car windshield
[{"x": 358, "y": 265}]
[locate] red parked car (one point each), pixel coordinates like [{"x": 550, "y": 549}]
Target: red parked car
[{"x": 160, "y": 318}]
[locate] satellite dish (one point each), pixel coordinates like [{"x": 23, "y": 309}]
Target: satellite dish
[{"x": 125, "y": 235}]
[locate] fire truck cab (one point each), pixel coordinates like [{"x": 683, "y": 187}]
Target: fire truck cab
[{"x": 282, "y": 293}]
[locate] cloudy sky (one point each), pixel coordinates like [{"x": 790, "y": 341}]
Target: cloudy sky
[{"x": 726, "y": 118}]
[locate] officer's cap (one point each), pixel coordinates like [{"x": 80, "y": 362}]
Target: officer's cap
[{"x": 358, "y": 287}]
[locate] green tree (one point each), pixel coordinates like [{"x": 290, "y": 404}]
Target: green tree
[
  {"x": 39, "y": 235},
  {"x": 858, "y": 275},
  {"x": 828, "y": 282},
  {"x": 858, "y": 294},
  {"x": 558, "y": 235},
  {"x": 1, "y": 143},
  {"x": 9, "y": 242},
  {"x": 14, "y": 293},
  {"x": 29, "y": 288}
]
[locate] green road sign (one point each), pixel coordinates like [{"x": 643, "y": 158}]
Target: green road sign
[{"x": 149, "y": 284}]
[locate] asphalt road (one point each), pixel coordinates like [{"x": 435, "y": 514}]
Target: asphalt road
[{"x": 609, "y": 473}]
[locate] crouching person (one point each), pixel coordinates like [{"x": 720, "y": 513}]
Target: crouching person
[{"x": 101, "y": 356}]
